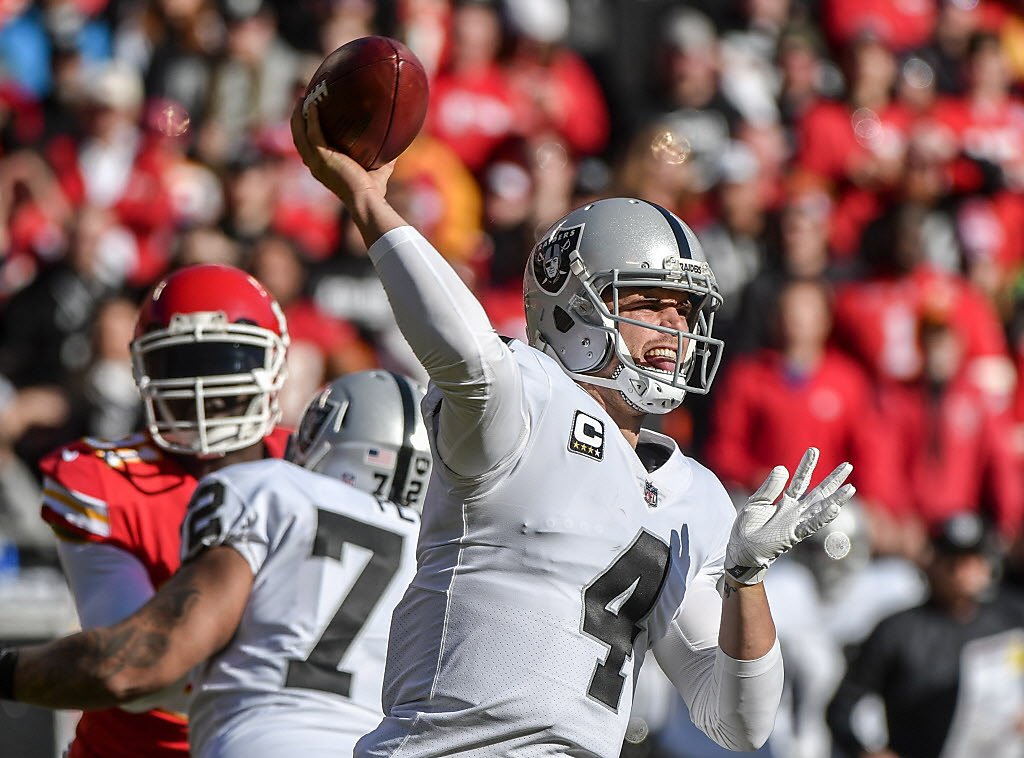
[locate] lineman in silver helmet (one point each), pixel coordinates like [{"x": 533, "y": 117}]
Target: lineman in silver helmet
[
  {"x": 365, "y": 429},
  {"x": 291, "y": 577}
]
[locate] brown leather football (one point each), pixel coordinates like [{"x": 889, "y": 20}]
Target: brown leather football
[{"x": 371, "y": 94}]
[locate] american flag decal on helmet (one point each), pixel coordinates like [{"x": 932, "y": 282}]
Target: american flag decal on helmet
[{"x": 380, "y": 457}]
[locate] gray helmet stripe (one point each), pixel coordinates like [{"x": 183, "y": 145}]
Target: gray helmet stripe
[
  {"x": 408, "y": 428},
  {"x": 677, "y": 229}
]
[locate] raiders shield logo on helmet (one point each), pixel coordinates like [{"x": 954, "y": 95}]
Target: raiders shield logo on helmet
[{"x": 551, "y": 258}]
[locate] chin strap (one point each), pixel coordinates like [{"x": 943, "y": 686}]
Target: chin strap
[
  {"x": 615, "y": 382},
  {"x": 634, "y": 388}
]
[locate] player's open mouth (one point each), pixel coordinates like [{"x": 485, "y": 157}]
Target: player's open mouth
[{"x": 661, "y": 359}]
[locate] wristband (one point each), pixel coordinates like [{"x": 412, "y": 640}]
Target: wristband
[
  {"x": 747, "y": 574},
  {"x": 8, "y": 661}
]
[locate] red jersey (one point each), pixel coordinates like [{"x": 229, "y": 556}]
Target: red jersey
[
  {"x": 835, "y": 143},
  {"x": 131, "y": 495},
  {"x": 473, "y": 113},
  {"x": 768, "y": 414},
  {"x": 876, "y": 320},
  {"x": 956, "y": 453}
]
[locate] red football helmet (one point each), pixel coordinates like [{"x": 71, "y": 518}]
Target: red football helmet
[{"x": 209, "y": 360}]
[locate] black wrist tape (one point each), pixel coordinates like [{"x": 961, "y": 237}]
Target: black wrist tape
[{"x": 8, "y": 660}]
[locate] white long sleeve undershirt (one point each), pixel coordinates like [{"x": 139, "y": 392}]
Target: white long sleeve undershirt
[
  {"x": 732, "y": 701},
  {"x": 483, "y": 421}
]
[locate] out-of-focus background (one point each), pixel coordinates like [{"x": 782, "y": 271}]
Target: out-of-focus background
[{"x": 854, "y": 169}]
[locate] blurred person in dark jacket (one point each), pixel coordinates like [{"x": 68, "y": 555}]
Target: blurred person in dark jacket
[
  {"x": 735, "y": 240},
  {"x": 112, "y": 399},
  {"x": 949, "y": 672},
  {"x": 796, "y": 241},
  {"x": 693, "y": 104},
  {"x": 45, "y": 329},
  {"x": 252, "y": 85}
]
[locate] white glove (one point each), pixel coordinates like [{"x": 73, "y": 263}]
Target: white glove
[{"x": 763, "y": 530}]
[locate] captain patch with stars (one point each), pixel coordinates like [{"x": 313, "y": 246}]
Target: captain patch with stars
[
  {"x": 551, "y": 258},
  {"x": 587, "y": 436}
]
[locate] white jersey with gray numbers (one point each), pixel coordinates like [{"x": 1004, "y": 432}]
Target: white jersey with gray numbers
[
  {"x": 542, "y": 584},
  {"x": 302, "y": 675}
]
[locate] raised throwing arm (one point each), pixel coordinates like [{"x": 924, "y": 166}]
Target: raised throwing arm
[{"x": 482, "y": 419}]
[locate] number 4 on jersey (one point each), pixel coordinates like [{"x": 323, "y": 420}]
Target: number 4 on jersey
[{"x": 615, "y": 605}]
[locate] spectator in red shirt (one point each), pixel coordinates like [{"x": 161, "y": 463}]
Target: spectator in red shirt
[
  {"x": 955, "y": 446},
  {"x": 556, "y": 92},
  {"x": 902, "y": 25},
  {"x": 782, "y": 399},
  {"x": 857, "y": 144},
  {"x": 877, "y": 317},
  {"x": 472, "y": 105},
  {"x": 986, "y": 129}
]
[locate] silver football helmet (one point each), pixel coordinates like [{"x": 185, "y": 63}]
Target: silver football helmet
[
  {"x": 366, "y": 429},
  {"x": 591, "y": 254}
]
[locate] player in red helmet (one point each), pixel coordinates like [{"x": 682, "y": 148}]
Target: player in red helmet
[{"x": 208, "y": 357}]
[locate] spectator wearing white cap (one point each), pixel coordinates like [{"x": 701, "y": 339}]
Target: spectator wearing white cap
[{"x": 558, "y": 92}]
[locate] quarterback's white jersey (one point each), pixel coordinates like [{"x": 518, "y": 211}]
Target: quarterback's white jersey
[
  {"x": 542, "y": 586},
  {"x": 552, "y": 554},
  {"x": 302, "y": 675}
]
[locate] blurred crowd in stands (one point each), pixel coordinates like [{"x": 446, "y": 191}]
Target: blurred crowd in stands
[{"x": 854, "y": 169}]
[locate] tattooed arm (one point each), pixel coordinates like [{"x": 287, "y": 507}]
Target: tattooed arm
[{"x": 191, "y": 617}]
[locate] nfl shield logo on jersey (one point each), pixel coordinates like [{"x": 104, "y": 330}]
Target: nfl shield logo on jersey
[{"x": 651, "y": 494}]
